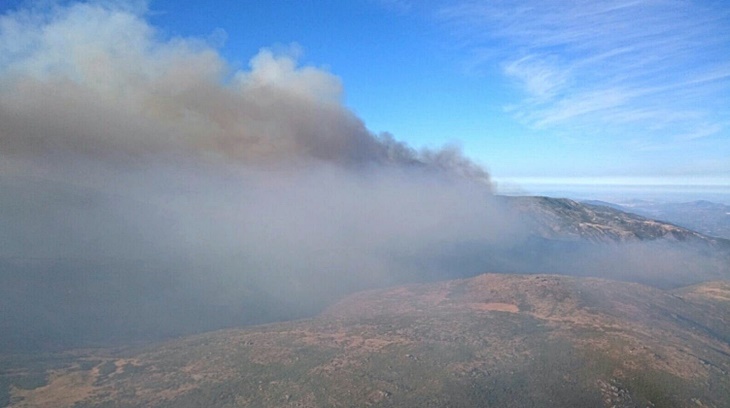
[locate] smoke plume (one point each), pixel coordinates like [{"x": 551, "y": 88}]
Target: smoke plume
[{"x": 151, "y": 189}]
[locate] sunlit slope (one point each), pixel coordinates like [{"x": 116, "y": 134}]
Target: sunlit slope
[
  {"x": 702, "y": 216},
  {"x": 563, "y": 236},
  {"x": 492, "y": 340},
  {"x": 568, "y": 219}
]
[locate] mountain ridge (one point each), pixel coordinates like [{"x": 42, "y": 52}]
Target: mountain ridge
[
  {"x": 706, "y": 217},
  {"x": 563, "y": 218}
]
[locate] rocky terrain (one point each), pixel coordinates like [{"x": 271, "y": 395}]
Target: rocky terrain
[
  {"x": 562, "y": 218},
  {"x": 491, "y": 340},
  {"x": 563, "y": 236},
  {"x": 703, "y": 216}
]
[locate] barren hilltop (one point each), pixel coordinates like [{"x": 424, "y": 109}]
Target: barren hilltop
[{"x": 491, "y": 340}]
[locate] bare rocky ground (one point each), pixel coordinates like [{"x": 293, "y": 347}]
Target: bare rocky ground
[{"x": 491, "y": 340}]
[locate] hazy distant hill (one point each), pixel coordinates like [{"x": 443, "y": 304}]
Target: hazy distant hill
[
  {"x": 567, "y": 237},
  {"x": 562, "y": 218},
  {"x": 702, "y": 216},
  {"x": 492, "y": 340}
]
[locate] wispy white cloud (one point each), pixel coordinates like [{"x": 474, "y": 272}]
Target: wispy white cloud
[
  {"x": 701, "y": 131},
  {"x": 650, "y": 64},
  {"x": 541, "y": 79},
  {"x": 578, "y": 105}
]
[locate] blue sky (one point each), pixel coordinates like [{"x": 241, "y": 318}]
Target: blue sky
[{"x": 546, "y": 91}]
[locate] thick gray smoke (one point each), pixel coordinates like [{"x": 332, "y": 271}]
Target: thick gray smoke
[{"x": 147, "y": 189}]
